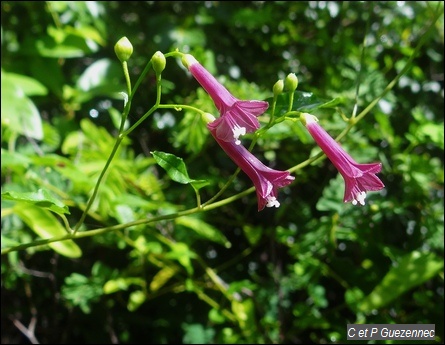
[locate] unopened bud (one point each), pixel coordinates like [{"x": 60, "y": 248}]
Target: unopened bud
[
  {"x": 123, "y": 49},
  {"x": 307, "y": 118},
  {"x": 291, "y": 82},
  {"x": 278, "y": 87},
  {"x": 159, "y": 62},
  {"x": 207, "y": 117},
  {"x": 188, "y": 60}
]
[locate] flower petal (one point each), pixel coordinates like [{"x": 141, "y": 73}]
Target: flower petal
[
  {"x": 234, "y": 113},
  {"x": 359, "y": 178},
  {"x": 267, "y": 181}
]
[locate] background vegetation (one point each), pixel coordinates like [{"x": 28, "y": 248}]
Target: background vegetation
[{"x": 231, "y": 274}]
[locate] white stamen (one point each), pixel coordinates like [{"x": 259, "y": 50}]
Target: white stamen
[
  {"x": 237, "y": 132},
  {"x": 359, "y": 198},
  {"x": 272, "y": 201},
  {"x": 125, "y": 98}
]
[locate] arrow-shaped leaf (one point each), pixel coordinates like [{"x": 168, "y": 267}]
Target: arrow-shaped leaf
[
  {"x": 45, "y": 224},
  {"x": 412, "y": 270},
  {"x": 174, "y": 166},
  {"x": 40, "y": 198}
]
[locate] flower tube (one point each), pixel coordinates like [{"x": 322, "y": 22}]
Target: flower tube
[
  {"x": 359, "y": 178},
  {"x": 237, "y": 117},
  {"x": 267, "y": 181}
]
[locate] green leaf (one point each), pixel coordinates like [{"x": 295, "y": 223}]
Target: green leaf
[
  {"x": 353, "y": 297},
  {"x": 253, "y": 233},
  {"x": 30, "y": 86},
  {"x": 162, "y": 277},
  {"x": 13, "y": 160},
  {"x": 114, "y": 285},
  {"x": 18, "y": 111},
  {"x": 244, "y": 312},
  {"x": 303, "y": 101},
  {"x": 412, "y": 270},
  {"x": 136, "y": 299},
  {"x": 332, "y": 198},
  {"x": 204, "y": 230},
  {"x": 198, "y": 184},
  {"x": 97, "y": 80},
  {"x": 174, "y": 166},
  {"x": 318, "y": 295},
  {"x": 40, "y": 198},
  {"x": 45, "y": 224},
  {"x": 216, "y": 316},
  {"x": 191, "y": 134},
  {"x": 82, "y": 291},
  {"x": 197, "y": 334},
  {"x": 64, "y": 43},
  {"x": 182, "y": 253}
]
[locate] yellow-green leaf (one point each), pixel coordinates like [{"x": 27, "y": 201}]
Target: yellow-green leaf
[
  {"x": 46, "y": 225},
  {"x": 412, "y": 270},
  {"x": 204, "y": 229}
]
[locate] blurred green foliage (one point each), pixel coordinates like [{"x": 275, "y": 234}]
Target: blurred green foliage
[{"x": 297, "y": 274}]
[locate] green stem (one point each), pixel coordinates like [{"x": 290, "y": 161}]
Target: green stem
[
  {"x": 272, "y": 115},
  {"x": 222, "y": 190},
  {"x": 101, "y": 231},
  {"x": 389, "y": 87},
  {"x": 180, "y": 107},
  {"x": 96, "y": 187},
  {"x": 128, "y": 103},
  {"x": 291, "y": 100},
  {"x": 152, "y": 109}
]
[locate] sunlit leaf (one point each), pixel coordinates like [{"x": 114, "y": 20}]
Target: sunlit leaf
[
  {"x": 204, "y": 230},
  {"x": 137, "y": 298},
  {"x": 30, "y": 86},
  {"x": 18, "y": 111},
  {"x": 183, "y": 254},
  {"x": 174, "y": 166},
  {"x": 41, "y": 198},
  {"x": 303, "y": 101},
  {"x": 412, "y": 270},
  {"x": 160, "y": 278},
  {"x": 45, "y": 224},
  {"x": 122, "y": 284}
]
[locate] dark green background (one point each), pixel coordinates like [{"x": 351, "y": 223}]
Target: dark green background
[{"x": 297, "y": 274}]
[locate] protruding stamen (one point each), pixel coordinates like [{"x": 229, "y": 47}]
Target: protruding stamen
[
  {"x": 359, "y": 198},
  {"x": 237, "y": 132},
  {"x": 272, "y": 201}
]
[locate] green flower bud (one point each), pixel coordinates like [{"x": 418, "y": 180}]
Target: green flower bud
[
  {"x": 123, "y": 49},
  {"x": 305, "y": 118},
  {"x": 188, "y": 60},
  {"x": 278, "y": 87},
  {"x": 207, "y": 117},
  {"x": 291, "y": 82},
  {"x": 159, "y": 62}
]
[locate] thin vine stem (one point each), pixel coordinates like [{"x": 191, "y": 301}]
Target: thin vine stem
[{"x": 210, "y": 206}]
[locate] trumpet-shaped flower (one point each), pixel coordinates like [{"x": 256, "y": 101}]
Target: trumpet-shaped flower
[
  {"x": 237, "y": 117},
  {"x": 359, "y": 178},
  {"x": 266, "y": 180}
]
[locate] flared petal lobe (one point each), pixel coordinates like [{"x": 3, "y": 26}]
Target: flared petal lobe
[
  {"x": 359, "y": 178},
  {"x": 267, "y": 181},
  {"x": 237, "y": 117}
]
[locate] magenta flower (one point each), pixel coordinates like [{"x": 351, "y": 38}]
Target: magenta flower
[
  {"x": 359, "y": 178},
  {"x": 266, "y": 180},
  {"x": 236, "y": 117}
]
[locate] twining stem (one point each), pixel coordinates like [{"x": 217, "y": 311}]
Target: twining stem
[
  {"x": 96, "y": 187},
  {"x": 108, "y": 229},
  {"x": 123, "y": 134},
  {"x": 208, "y": 205}
]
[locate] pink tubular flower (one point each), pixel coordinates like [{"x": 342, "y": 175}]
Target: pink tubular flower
[
  {"x": 359, "y": 178},
  {"x": 237, "y": 117},
  {"x": 266, "y": 180}
]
